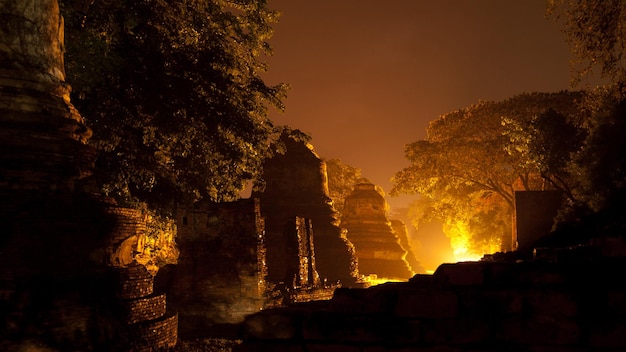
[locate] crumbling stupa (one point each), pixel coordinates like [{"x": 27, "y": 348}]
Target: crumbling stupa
[{"x": 377, "y": 247}]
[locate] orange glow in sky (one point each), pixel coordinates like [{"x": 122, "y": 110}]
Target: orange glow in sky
[{"x": 367, "y": 76}]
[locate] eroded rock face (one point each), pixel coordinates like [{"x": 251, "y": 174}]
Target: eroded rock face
[
  {"x": 377, "y": 247},
  {"x": 297, "y": 186}
]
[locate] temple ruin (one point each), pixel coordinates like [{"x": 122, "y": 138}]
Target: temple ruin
[
  {"x": 296, "y": 185},
  {"x": 220, "y": 274},
  {"x": 377, "y": 247},
  {"x": 64, "y": 250}
]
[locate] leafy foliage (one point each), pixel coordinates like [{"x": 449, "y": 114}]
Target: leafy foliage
[
  {"x": 546, "y": 143},
  {"x": 596, "y": 34},
  {"x": 157, "y": 246},
  {"x": 600, "y": 169},
  {"x": 173, "y": 92},
  {"x": 341, "y": 180},
  {"x": 472, "y": 161}
]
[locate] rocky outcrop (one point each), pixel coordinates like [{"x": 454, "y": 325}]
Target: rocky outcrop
[
  {"x": 377, "y": 247},
  {"x": 296, "y": 186}
]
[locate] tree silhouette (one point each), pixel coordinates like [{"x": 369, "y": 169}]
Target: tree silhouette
[{"x": 174, "y": 95}]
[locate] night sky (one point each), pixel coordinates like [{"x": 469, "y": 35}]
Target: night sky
[{"x": 367, "y": 76}]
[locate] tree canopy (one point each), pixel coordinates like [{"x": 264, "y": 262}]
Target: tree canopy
[
  {"x": 472, "y": 161},
  {"x": 341, "y": 180},
  {"x": 596, "y": 35},
  {"x": 173, "y": 93}
]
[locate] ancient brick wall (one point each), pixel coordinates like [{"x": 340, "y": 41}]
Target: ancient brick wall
[
  {"x": 58, "y": 240},
  {"x": 220, "y": 275},
  {"x": 154, "y": 335},
  {"x": 569, "y": 305},
  {"x": 149, "y": 325},
  {"x": 145, "y": 308}
]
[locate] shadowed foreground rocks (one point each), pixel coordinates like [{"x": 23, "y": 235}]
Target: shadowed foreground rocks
[{"x": 575, "y": 303}]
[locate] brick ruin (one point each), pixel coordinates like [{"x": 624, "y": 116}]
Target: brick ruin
[
  {"x": 150, "y": 324},
  {"x": 220, "y": 274},
  {"x": 61, "y": 242},
  {"x": 237, "y": 258},
  {"x": 378, "y": 248},
  {"x": 226, "y": 255},
  {"x": 296, "y": 185},
  {"x": 68, "y": 281}
]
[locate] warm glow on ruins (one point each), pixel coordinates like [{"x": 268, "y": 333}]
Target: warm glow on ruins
[
  {"x": 128, "y": 130},
  {"x": 461, "y": 242},
  {"x": 373, "y": 280}
]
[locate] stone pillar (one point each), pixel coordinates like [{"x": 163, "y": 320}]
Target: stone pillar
[{"x": 307, "y": 276}]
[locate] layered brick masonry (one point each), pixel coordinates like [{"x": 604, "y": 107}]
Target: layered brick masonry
[
  {"x": 220, "y": 274},
  {"x": 156, "y": 334},
  {"x": 150, "y": 327},
  {"x": 378, "y": 247},
  {"x": 59, "y": 239}
]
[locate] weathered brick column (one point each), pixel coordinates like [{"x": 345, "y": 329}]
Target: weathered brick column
[
  {"x": 57, "y": 239},
  {"x": 150, "y": 326}
]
